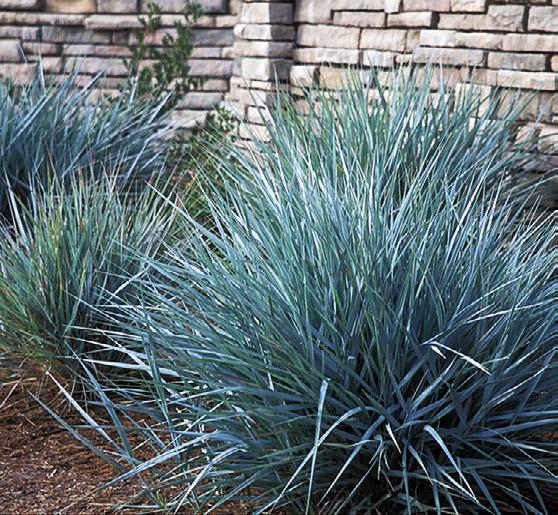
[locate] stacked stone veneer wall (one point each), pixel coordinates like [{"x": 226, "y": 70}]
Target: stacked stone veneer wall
[
  {"x": 506, "y": 43},
  {"x": 245, "y": 47},
  {"x": 92, "y": 35}
]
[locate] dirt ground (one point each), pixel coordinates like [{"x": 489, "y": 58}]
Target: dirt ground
[{"x": 43, "y": 469}]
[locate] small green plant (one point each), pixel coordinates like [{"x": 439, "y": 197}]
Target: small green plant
[
  {"x": 169, "y": 76},
  {"x": 169, "y": 79}
]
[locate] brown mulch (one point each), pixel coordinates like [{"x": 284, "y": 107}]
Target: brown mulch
[{"x": 43, "y": 468}]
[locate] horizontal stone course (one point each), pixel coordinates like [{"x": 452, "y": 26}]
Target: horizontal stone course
[
  {"x": 359, "y": 18},
  {"x": 327, "y": 36}
]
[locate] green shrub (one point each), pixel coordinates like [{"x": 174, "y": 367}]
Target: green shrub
[
  {"x": 57, "y": 130},
  {"x": 369, "y": 327},
  {"x": 71, "y": 250},
  {"x": 171, "y": 72}
]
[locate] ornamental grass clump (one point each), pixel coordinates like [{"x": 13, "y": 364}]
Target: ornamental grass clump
[
  {"x": 370, "y": 326},
  {"x": 68, "y": 258},
  {"x": 59, "y": 129}
]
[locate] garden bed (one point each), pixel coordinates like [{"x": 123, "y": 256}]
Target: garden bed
[{"x": 43, "y": 468}]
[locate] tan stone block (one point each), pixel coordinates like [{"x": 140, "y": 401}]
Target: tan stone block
[
  {"x": 112, "y": 22},
  {"x": 543, "y": 18},
  {"x": 265, "y": 69},
  {"x": 255, "y": 97},
  {"x": 207, "y": 52},
  {"x": 392, "y": 6},
  {"x": 554, "y": 63},
  {"x": 211, "y": 37},
  {"x": 438, "y": 38},
  {"x": 19, "y": 73},
  {"x": 71, "y": 6},
  {"x": 498, "y": 18},
  {"x": 328, "y": 36},
  {"x": 215, "y": 85},
  {"x": 513, "y": 61},
  {"x": 76, "y": 35},
  {"x": 359, "y": 5},
  {"x": 313, "y": 11},
  {"x": 378, "y": 39},
  {"x": 450, "y": 56},
  {"x": 303, "y": 75},
  {"x": 338, "y": 78},
  {"x": 11, "y": 51},
  {"x": 449, "y": 77},
  {"x": 531, "y": 42},
  {"x": 38, "y": 48},
  {"x": 38, "y": 18},
  {"x": 480, "y": 40},
  {"x": 529, "y": 80},
  {"x": 224, "y": 21},
  {"x": 258, "y": 115},
  {"x": 327, "y": 55},
  {"x": 413, "y": 40},
  {"x": 505, "y": 17},
  {"x": 267, "y": 32},
  {"x": 167, "y": 6},
  {"x": 280, "y": 13},
  {"x": 480, "y": 76},
  {"x": 22, "y": 33},
  {"x": 378, "y": 58},
  {"x": 263, "y": 48},
  {"x": 200, "y": 100},
  {"x": 93, "y": 66},
  {"x": 468, "y": 5},
  {"x": 117, "y": 6},
  {"x": 359, "y": 19},
  {"x": 411, "y": 19},
  {"x": 426, "y": 5},
  {"x": 21, "y": 4},
  {"x": 210, "y": 67}
]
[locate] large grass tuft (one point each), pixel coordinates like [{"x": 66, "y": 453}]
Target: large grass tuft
[{"x": 371, "y": 324}]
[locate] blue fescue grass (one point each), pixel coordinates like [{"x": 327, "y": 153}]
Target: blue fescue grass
[
  {"x": 369, "y": 326},
  {"x": 59, "y": 130}
]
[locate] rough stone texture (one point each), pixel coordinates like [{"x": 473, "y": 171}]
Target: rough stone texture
[
  {"x": 359, "y": 19},
  {"x": 248, "y": 47},
  {"x": 71, "y": 6},
  {"x": 327, "y": 36},
  {"x": 411, "y": 19},
  {"x": 449, "y": 56},
  {"x": 543, "y": 19},
  {"x": 511, "y": 61},
  {"x": 10, "y": 51},
  {"x": 21, "y": 4},
  {"x": 117, "y": 6}
]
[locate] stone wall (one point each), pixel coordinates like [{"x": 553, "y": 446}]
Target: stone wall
[
  {"x": 92, "y": 36},
  {"x": 245, "y": 46},
  {"x": 507, "y": 43}
]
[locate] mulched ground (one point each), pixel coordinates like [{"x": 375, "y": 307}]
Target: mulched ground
[{"x": 43, "y": 469}]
